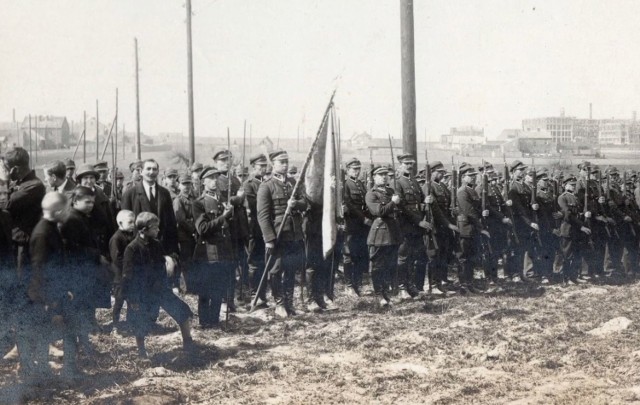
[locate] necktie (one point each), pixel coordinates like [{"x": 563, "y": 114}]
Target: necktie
[{"x": 152, "y": 201}]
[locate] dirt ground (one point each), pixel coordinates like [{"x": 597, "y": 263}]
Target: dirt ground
[{"x": 525, "y": 344}]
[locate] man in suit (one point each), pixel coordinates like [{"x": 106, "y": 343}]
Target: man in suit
[
  {"x": 149, "y": 196},
  {"x": 56, "y": 180}
]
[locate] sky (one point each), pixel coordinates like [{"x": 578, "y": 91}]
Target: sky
[{"x": 275, "y": 63}]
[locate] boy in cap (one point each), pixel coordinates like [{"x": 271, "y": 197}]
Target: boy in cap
[
  {"x": 102, "y": 167},
  {"x": 145, "y": 284},
  {"x": 384, "y": 235},
  {"x": 171, "y": 182},
  {"x": 117, "y": 245},
  {"x": 70, "y": 166}
]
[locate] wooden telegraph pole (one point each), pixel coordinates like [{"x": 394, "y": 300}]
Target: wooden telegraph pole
[
  {"x": 84, "y": 139},
  {"x": 30, "y": 146},
  {"x": 192, "y": 139},
  {"x": 97, "y": 133},
  {"x": 114, "y": 145},
  {"x": 408, "y": 68},
  {"x": 138, "y": 152}
]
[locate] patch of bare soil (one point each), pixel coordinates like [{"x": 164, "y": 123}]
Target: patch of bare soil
[{"x": 523, "y": 344}]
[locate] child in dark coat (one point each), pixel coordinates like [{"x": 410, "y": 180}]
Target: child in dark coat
[
  {"x": 117, "y": 245},
  {"x": 145, "y": 284}
]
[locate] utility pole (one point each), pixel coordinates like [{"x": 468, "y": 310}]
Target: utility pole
[
  {"x": 114, "y": 144},
  {"x": 30, "y": 147},
  {"x": 124, "y": 137},
  {"x": 408, "y": 68},
  {"x": 84, "y": 140},
  {"x": 36, "y": 142},
  {"x": 138, "y": 152},
  {"x": 97, "y": 133},
  {"x": 250, "y": 138},
  {"x": 192, "y": 139}
]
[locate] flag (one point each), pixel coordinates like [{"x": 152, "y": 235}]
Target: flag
[{"x": 320, "y": 181}]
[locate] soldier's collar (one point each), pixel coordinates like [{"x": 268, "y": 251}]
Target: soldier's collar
[
  {"x": 353, "y": 178},
  {"x": 211, "y": 193},
  {"x": 258, "y": 177},
  {"x": 407, "y": 175},
  {"x": 279, "y": 177}
]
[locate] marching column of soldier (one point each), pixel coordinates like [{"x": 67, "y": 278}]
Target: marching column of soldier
[{"x": 75, "y": 239}]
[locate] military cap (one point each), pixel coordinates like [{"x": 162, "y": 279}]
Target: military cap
[
  {"x": 467, "y": 170},
  {"x": 134, "y": 165},
  {"x": 185, "y": 178},
  {"x": 516, "y": 164},
  {"x": 584, "y": 164},
  {"x": 86, "y": 169},
  {"x": 595, "y": 169},
  {"x": 208, "y": 172},
  {"x": 612, "y": 170},
  {"x": 258, "y": 159},
  {"x": 380, "y": 170},
  {"x": 569, "y": 179},
  {"x": 406, "y": 158},
  {"x": 196, "y": 167},
  {"x": 171, "y": 172},
  {"x": 487, "y": 166},
  {"x": 70, "y": 164},
  {"x": 119, "y": 175},
  {"x": 222, "y": 154},
  {"x": 436, "y": 165},
  {"x": 447, "y": 174},
  {"x": 293, "y": 170},
  {"x": 542, "y": 174},
  {"x": 101, "y": 165},
  {"x": 278, "y": 155},
  {"x": 353, "y": 163}
]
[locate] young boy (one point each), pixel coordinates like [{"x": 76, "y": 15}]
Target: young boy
[
  {"x": 118, "y": 243},
  {"x": 49, "y": 284},
  {"x": 145, "y": 284}
]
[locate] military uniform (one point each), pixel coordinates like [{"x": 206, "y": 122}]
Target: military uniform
[
  {"x": 470, "y": 225},
  {"x": 546, "y": 221},
  {"x": 182, "y": 207},
  {"x": 575, "y": 245},
  {"x": 256, "y": 242},
  {"x": 412, "y": 257},
  {"x": 520, "y": 196},
  {"x": 439, "y": 259},
  {"x": 494, "y": 203},
  {"x": 384, "y": 236},
  {"x": 357, "y": 225},
  {"x": 597, "y": 222},
  {"x": 214, "y": 260},
  {"x": 288, "y": 255}
]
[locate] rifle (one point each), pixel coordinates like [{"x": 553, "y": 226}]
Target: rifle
[
  {"x": 393, "y": 164},
  {"x": 608, "y": 197},
  {"x": 623, "y": 189},
  {"x": 505, "y": 196},
  {"x": 226, "y": 317},
  {"x": 369, "y": 174},
  {"x": 534, "y": 193},
  {"x": 599, "y": 177},
  {"x": 587, "y": 221},
  {"x": 428, "y": 212},
  {"x": 454, "y": 188},
  {"x": 484, "y": 185}
]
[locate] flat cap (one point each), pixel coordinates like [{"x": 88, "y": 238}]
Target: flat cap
[
  {"x": 542, "y": 173},
  {"x": 612, "y": 170},
  {"x": 278, "y": 155},
  {"x": 119, "y": 175},
  {"x": 595, "y": 169},
  {"x": 569, "y": 179},
  {"x": 196, "y": 167},
  {"x": 353, "y": 163},
  {"x": 171, "y": 172},
  {"x": 517, "y": 165},
  {"x": 185, "y": 178},
  {"x": 70, "y": 164},
  {"x": 101, "y": 165},
  {"x": 258, "y": 159},
  {"x": 86, "y": 169},
  {"x": 222, "y": 154},
  {"x": 406, "y": 158}
]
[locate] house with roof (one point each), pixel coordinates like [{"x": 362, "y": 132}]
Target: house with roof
[{"x": 48, "y": 131}]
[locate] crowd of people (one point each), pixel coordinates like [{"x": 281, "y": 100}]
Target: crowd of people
[{"x": 76, "y": 242}]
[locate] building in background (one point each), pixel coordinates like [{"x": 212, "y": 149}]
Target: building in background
[
  {"x": 463, "y": 138},
  {"x": 560, "y": 128},
  {"x": 49, "y": 131}
]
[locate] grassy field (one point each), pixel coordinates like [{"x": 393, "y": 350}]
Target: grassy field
[{"x": 521, "y": 345}]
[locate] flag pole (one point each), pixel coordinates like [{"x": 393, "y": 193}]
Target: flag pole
[{"x": 287, "y": 212}]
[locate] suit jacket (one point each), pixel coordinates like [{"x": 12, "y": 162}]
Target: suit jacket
[
  {"x": 67, "y": 190},
  {"x": 135, "y": 199}
]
